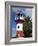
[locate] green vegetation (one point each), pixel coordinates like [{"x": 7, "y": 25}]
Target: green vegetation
[{"x": 27, "y": 27}]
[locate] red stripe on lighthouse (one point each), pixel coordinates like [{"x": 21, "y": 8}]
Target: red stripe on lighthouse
[
  {"x": 19, "y": 21},
  {"x": 19, "y": 34}
]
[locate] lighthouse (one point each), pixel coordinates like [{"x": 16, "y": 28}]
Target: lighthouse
[{"x": 19, "y": 25}]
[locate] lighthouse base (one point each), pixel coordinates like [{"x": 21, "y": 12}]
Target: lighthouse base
[{"x": 19, "y": 34}]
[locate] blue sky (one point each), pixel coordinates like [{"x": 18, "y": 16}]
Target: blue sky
[{"x": 26, "y": 11}]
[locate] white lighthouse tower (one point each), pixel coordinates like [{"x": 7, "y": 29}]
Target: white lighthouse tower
[{"x": 19, "y": 26}]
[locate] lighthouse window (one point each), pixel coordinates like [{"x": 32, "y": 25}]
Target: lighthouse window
[
  {"x": 18, "y": 26},
  {"x": 21, "y": 14}
]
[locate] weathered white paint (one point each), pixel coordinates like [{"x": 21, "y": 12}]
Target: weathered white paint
[
  {"x": 21, "y": 27},
  {"x": 33, "y": 23},
  {"x": 22, "y": 18}
]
